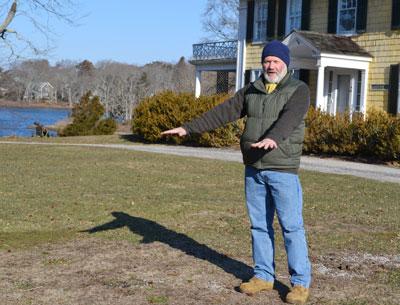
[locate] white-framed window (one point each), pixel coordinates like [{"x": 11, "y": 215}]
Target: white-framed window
[
  {"x": 293, "y": 15},
  {"x": 346, "y": 18},
  {"x": 260, "y": 20}
]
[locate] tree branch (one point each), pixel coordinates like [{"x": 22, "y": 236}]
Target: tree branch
[{"x": 9, "y": 18}]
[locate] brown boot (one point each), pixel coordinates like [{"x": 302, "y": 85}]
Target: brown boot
[
  {"x": 298, "y": 295},
  {"x": 255, "y": 285}
]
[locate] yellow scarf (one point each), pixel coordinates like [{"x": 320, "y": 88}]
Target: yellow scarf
[{"x": 270, "y": 87}]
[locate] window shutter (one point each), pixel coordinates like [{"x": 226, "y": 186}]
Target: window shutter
[
  {"x": 395, "y": 14},
  {"x": 247, "y": 75},
  {"x": 305, "y": 15},
  {"x": 250, "y": 21},
  {"x": 271, "y": 19},
  {"x": 362, "y": 11},
  {"x": 282, "y": 18},
  {"x": 304, "y": 75},
  {"x": 393, "y": 89},
  {"x": 332, "y": 16}
]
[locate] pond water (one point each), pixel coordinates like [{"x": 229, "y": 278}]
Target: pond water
[{"x": 16, "y": 121}]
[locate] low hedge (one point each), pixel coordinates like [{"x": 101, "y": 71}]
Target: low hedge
[
  {"x": 377, "y": 136},
  {"x": 328, "y": 134},
  {"x": 168, "y": 110}
]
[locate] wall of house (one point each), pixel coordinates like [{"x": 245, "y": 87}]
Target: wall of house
[
  {"x": 313, "y": 77},
  {"x": 384, "y": 45},
  {"x": 385, "y": 49},
  {"x": 253, "y": 56},
  {"x": 319, "y": 16},
  {"x": 379, "y": 40}
]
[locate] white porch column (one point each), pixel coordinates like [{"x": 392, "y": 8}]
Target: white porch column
[
  {"x": 364, "y": 90},
  {"x": 197, "y": 90},
  {"x": 320, "y": 101},
  {"x": 241, "y": 46}
]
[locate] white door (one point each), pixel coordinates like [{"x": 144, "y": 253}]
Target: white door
[{"x": 344, "y": 93}]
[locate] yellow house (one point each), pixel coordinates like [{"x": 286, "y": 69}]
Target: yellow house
[{"x": 348, "y": 51}]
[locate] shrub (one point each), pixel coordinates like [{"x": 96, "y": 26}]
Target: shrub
[
  {"x": 105, "y": 127},
  {"x": 87, "y": 120},
  {"x": 376, "y": 136},
  {"x": 379, "y": 136},
  {"x": 328, "y": 134},
  {"x": 167, "y": 110}
]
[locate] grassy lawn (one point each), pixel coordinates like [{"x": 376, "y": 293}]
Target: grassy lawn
[{"x": 61, "y": 194}]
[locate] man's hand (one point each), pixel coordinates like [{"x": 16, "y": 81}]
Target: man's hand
[
  {"x": 179, "y": 131},
  {"x": 266, "y": 144}
]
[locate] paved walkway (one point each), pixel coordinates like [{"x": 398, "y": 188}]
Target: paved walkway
[{"x": 325, "y": 165}]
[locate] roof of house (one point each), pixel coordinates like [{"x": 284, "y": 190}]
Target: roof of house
[
  {"x": 330, "y": 43},
  {"x": 44, "y": 84}
]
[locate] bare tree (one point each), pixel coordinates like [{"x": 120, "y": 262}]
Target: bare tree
[
  {"x": 182, "y": 76},
  {"x": 221, "y": 19},
  {"x": 10, "y": 16},
  {"x": 120, "y": 86},
  {"x": 64, "y": 77},
  {"x": 115, "y": 85},
  {"x": 9, "y": 88},
  {"x": 40, "y": 16}
]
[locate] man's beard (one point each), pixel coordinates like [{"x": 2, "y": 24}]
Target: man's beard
[{"x": 278, "y": 77}]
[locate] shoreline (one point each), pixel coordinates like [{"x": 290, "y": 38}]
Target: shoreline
[{"x": 57, "y": 105}]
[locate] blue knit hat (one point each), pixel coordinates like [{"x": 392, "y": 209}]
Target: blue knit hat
[{"x": 278, "y": 49}]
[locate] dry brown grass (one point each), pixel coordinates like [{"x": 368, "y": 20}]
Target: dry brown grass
[{"x": 102, "y": 226}]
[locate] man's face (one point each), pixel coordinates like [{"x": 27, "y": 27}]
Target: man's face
[{"x": 274, "y": 69}]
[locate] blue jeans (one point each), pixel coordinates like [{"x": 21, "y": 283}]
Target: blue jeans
[{"x": 267, "y": 191}]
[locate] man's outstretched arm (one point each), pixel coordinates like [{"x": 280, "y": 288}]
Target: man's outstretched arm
[
  {"x": 228, "y": 111},
  {"x": 179, "y": 131}
]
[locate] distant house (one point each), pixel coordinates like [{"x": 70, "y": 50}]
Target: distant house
[
  {"x": 37, "y": 92},
  {"x": 3, "y": 91},
  {"x": 348, "y": 51}
]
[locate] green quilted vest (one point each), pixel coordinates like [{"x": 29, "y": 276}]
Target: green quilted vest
[{"x": 262, "y": 111}]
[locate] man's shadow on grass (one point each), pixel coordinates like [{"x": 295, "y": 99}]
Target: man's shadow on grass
[{"x": 151, "y": 231}]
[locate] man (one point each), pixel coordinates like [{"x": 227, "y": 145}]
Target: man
[{"x": 275, "y": 106}]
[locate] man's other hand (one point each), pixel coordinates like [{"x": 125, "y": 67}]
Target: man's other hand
[
  {"x": 179, "y": 131},
  {"x": 266, "y": 144}
]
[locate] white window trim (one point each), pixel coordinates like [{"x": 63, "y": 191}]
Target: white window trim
[
  {"x": 255, "y": 21},
  {"x": 347, "y": 33},
  {"x": 288, "y": 28}
]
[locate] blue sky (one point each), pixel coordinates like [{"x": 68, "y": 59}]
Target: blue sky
[{"x": 131, "y": 31}]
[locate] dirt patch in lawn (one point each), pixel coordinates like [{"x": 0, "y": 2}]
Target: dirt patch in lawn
[{"x": 97, "y": 271}]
